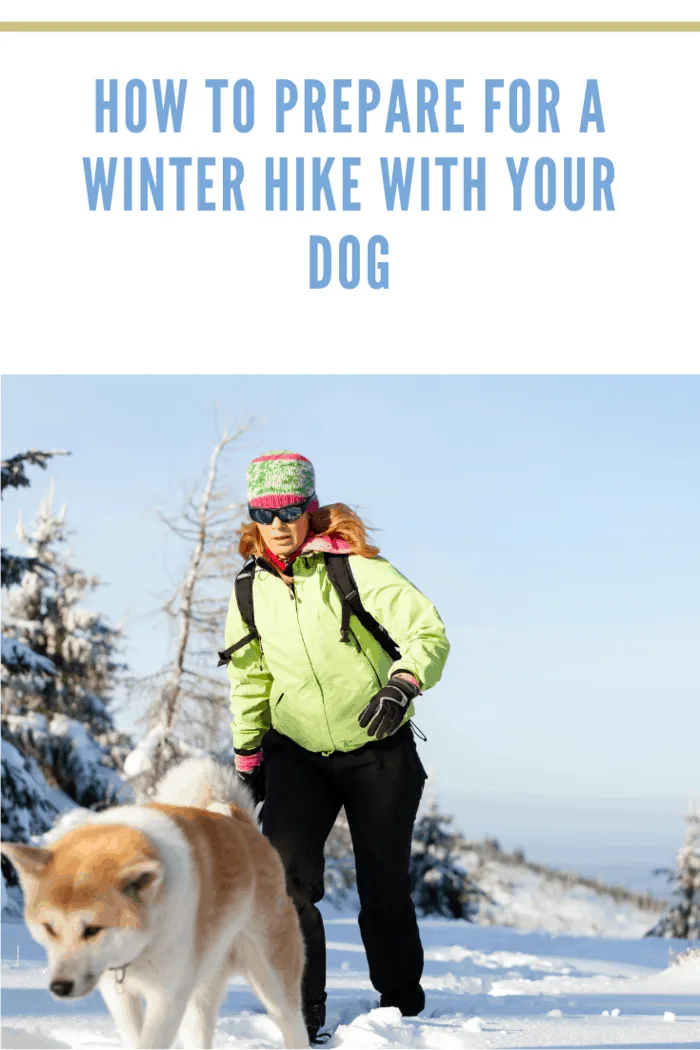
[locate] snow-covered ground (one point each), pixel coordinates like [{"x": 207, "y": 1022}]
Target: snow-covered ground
[
  {"x": 486, "y": 986},
  {"x": 519, "y": 895}
]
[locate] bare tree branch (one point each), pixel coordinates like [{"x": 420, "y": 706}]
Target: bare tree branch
[{"x": 187, "y": 697}]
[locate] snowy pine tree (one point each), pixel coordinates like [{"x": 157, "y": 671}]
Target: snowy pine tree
[
  {"x": 59, "y": 744},
  {"x": 12, "y": 472},
  {"x": 17, "y": 657},
  {"x": 13, "y": 475},
  {"x": 58, "y": 656},
  {"x": 683, "y": 917},
  {"x": 69, "y": 757},
  {"x": 28, "y": 808},
  {"x": 440, "y": 885},
  {"x": 49, "y": 768}
]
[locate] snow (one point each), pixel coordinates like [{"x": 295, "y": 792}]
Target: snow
[
  {"x": 17, "y": 654},
  {"x": 30, "y": 803},
  {"x": 486, "y": 986},
  {"x": 29, "y": 807},
  {"x": 73, "y": 754},
  {"x": 474, "y": 1024},
  {"x": 520, "y": 895},
  {"x": 31, "y": 1039}
]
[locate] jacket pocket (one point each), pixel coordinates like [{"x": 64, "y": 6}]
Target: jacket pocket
[{"x": 274, "y": 711}]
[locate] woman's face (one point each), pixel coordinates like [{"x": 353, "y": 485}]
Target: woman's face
[{"x": 283, "y": 538}]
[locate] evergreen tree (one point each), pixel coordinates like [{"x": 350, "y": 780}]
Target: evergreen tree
[
  {"x": 683, "y": 917},
  {"x": 69, "y": 758},
  {"x": 28, "y": 808},
  {"x": 12, "y": 472},
  {"x": 440, "y": 884},
  {"x": 17, "y": 658},
  {"x": 58, "y": 672},
  {"x": 13, "y": 475},
  {"x": 58, "y": 656}
]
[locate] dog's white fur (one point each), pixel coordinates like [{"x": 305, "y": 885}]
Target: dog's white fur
[
  {"x": 206, "y": 784},
  {"x": 172, "y": 981},
  {"x": 163, "y": 975}
]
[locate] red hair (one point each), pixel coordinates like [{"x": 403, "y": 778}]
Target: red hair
[{"x": 334, "y": 520}]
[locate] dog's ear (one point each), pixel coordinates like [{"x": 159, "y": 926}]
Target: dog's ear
[
  {"x": 30, "y": 862},
  {"x": 141, "y": 881}
]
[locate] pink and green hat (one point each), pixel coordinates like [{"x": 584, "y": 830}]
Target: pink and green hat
[{"x": 279, "y": 478}]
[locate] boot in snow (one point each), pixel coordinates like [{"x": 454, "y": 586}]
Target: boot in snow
[{"x": 410, "y": 1001}]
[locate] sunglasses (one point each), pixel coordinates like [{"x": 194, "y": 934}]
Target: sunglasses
[{"x": 292, "y": 512}]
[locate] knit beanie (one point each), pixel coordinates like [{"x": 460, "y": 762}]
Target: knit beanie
[{"x": 279, "y": 478}]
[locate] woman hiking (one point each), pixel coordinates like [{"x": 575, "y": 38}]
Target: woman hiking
[{"x": 321, "y": 698}]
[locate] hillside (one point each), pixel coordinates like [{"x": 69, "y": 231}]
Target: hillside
[
  {"x": 530, "y": 896},
  {"x": 515, "y": 892}
]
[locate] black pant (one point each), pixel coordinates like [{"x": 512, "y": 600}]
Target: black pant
[{"x": 380, "y": 786}]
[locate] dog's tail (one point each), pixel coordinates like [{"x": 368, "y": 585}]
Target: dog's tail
[{"x": 205, "y": 784}]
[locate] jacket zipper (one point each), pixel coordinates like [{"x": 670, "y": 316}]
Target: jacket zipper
[{"x": 308, "y": 656}]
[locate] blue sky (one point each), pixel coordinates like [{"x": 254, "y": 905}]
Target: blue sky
[{"x": 554, "y": 521}]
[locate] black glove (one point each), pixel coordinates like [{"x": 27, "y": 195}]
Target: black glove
[
  {"x": 386, "y": 710},
  {"x": 254, "y": 781}
]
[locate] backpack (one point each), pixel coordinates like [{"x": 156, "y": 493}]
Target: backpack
[{"x": 340, "y": 575}]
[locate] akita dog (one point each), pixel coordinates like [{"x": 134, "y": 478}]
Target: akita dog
[{"x": 158, "y": 904}]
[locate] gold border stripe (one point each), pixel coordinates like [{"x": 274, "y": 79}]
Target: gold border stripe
[{"x": 349, "y": 27}]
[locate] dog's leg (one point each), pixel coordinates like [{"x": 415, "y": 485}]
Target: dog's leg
[
  {"x": 199, "y": 1023},
  {"x": 272, "y": 987},
  {"x": 165, "y": 1008},
  {"x": 126, "y": 1009}
]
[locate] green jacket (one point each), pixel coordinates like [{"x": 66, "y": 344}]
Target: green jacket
[{"x": 302, "y": 679}]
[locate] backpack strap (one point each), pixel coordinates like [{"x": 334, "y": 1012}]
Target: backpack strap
[
  {"x": 243, "y": 587},
  {"x": 341, "y": 576}
]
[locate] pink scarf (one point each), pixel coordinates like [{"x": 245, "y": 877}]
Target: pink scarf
[{"x": 323, "y": 544}]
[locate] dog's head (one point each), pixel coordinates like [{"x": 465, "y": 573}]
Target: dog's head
[{"x": 87, "y": 900}]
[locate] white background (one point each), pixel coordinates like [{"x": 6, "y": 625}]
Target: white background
[{"x": 474, "y": 292}]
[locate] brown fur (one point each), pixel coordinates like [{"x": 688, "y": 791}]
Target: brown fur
[
  {"x": 87, "y": 878},
  {"x": 229, "y": 852},
  {"x": 88, "y": 873},
  {"x": 221, "y": 850}
]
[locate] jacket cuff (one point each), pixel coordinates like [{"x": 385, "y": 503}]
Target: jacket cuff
[
  {"x": 409, "y": 674},
  {"x": 246, "y": 763}
]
